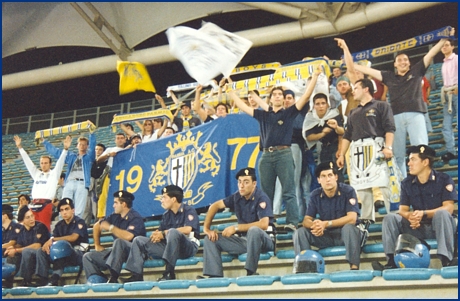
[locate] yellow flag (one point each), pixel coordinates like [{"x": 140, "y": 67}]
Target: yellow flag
[{"x": 134, "y": 76}]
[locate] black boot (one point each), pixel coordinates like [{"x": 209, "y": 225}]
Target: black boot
[
  {"x": 167, "y": 276},
  {"x": 134, "y": 277}
]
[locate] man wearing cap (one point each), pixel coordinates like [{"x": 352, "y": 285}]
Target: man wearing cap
[
  {"x": 71, "y": 229},
  {"x": 337, "y": 207},
  {"x": 254, "y": 214},
  {"x": 78, "y": 175},
  {"x": 187, "y": 120},
  {"x": 176, "y": 238},
  {"x": 276, "y": 128},
  {"x": 124, "y": 223},
  {"x": 432, "y": 195},
  {"x": 135, "y": 140},
  {"x": 369, "y": 134},
  {"x": 10, "y": 233},
  {"x": 45, "y": 181},
  {"x": 108, "y": 155},
  {"x": 32, "y": 236},
  {"x": 405, "y": 88}
]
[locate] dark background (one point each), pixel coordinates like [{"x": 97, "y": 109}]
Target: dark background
[{"x": 103, "y": 89}]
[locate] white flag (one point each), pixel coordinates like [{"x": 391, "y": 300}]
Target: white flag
[{"x": 207, "y": 52}]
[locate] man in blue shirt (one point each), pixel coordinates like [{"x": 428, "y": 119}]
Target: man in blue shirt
[
  {"x": 432, "y": 195},
  {"x": 276, "y": 128},
  {"x": 253, "y": 211},
  {"x": 10, "y": 233},
  {"x": 337, "y": 206},
  {"x": 71, "y": 229},
  {"x": 176, "y": 238},
  {"x": 31, "y": 237},
  {"x": 78, "y": 175},
  {"x": 124, "y": 223}
]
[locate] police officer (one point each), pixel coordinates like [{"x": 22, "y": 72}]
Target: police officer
[
  {"x": 32, "y": 236},
  {"x": 177, "y": 237},
  {"x": 124, "y": 223},
  {"x": 71, "y": 229},
  {"x": 337, "y": 206},
  {"x": 10, "y": 233},
  {"x": 431, "y": 194},
  {"x": 253, "y": 211}
]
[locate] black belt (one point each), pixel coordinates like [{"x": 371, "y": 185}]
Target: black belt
[
  {"x": 77, "y": 179},
  {"x": 274, "y": 148}
]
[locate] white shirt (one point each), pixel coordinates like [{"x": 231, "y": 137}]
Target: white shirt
[
  {"x": 109, "y": 150},
  {"x": 44, "y": 186}
]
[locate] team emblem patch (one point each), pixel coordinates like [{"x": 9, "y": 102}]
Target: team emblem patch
[
  {"x": 190, "y": 217},
  {"x": 80, "y": 226},
  {"x": 352, "y": 201},
  {"x": 39, "y": 235},
  {"x": 450, "y": 187},
  {"x": 131, "y": 227},
  {"x": 280, "y": 122},
  {"x": 263, "y": 205},
  {"x": 17, "y": 230}
]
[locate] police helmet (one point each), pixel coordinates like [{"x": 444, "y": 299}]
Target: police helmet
[
  {"x": 308, "y": 261},
  {"x": 94, "y": 279},
  {"x": 7, "y": 269},
  {"x": 60, "y": 249},
  {"x": 411, "y": 252}
]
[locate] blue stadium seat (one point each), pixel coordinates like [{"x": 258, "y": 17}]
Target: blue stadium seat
[
  {"x": 285, "y": 254},
  {"x": 407, "y": 274},
  {"x": 348, "y": 276},
  {"x": 106, "y": 287},
  {"x": 302, "y": 278},
  {"x": 256, "y": 280},
  {"x": 284, "y": 236},
  {"x": 48, "y": 290},
  {"x": 22, "y": 291},
  {"x": 263, "y": 256},
  {"x": 373, "y": 248},
  {"x": 221, "y": 227},
  {"x": 375, "y": 228},
  {"x": 449, "y": 272},
  {"x": 75, "y": 288},
  {"x": 174, "y": 284},
  {"x": 152, "y": 223},
  {"x": 228, "y": 257},
  {"x": 214, "y": 282},
  {"x": 139, "y": 286},
  {"x": 332, "y": 251},
  {"x": 187, "y": 261}
]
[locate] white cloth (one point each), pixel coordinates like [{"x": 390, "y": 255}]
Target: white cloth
[
  {"x": 44, "y": 186},
  {"x": 109, "y": 150},
  {"x": 312, "y": 119}
]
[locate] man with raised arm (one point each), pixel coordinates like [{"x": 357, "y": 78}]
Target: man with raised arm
[
  {"x": 405, "y": 88},
  {"x": 276, "y": 128},
  {"x": 45, "y": 181}
]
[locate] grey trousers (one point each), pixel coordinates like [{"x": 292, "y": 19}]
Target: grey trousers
[
  {"x": 348, "y": 236},
  {"x": 176, "y": 246},
  {"x": 442, "y": 228},
  {"x": 44, "y": 261},
  {"x": 257, "y": 241},
  {"x": 96, "y": 262}
]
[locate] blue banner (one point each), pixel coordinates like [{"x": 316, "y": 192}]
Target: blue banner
[{"x": 202, "y": 161}]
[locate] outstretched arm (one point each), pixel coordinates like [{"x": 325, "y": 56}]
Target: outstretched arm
[
  {"x": 369, "y": 71},
  {"x": 435, "y": 49},
  {"x": 348, "y": 60},
  {"x": 197, "y": 104},
  {"x": 239, "y": 103}
]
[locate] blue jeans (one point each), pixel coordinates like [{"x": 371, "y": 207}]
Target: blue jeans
[
  {"x": 280, "y": 164},
  {"x": 277, "y": 200},
  {"x": 414, "y": 124},
  {"x": 447, "y": 122},
  {"x": 76, "y": 191}
]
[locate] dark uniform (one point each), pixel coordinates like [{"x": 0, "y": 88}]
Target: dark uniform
[
  {"x": 439, "y": 188},
  {"x": 338, "y": 206},
  {"x": 175, "y": 245},
  {"x": 77, "y": 225},
  {"x": 94, "y": 262},
  {"x": 253, "y": 242},
  {"x": 11, "y": 232},
  {"x": 36, "y": 234}
]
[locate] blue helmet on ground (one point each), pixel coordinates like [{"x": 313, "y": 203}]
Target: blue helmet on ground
[
  {"x": 60, "y": 249},
  {"x": 308, "y": 261},
  {"x": 7, "y": 269},
  {"x": 411, "y": 252},
  {"x": 94, "y": 279}
]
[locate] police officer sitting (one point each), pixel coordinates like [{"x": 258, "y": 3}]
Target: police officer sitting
[
  {"x": 32, "y": 236},
  {"x": 177, "y": 237},
  {"x": 431, "y": 194},
  {"x": 254, "y": 214},
  {"x": 337, "y": 206},
  {"x": 68, "y": 235},
  {"x": 124, "y": 223},
  {"x": 10, "y": 233}
]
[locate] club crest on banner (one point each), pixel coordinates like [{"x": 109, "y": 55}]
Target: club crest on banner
[{"x": 187, "y": 158}]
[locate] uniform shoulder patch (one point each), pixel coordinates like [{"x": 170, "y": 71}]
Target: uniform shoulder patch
[
  {"x": 131, "y": 227},
  {"x": 80, "y": 226},
  {"x": 352, "y": 201},
  {"x": 17, "y": 230},
  {"x": 39, "y": 235},
  {"x": 263, "y": 205},
  {"x": 190, "y": 217},
  {"x": 450, "y": 187}
]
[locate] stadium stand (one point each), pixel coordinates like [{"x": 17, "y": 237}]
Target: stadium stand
[{"x": 276, "y": 279}]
